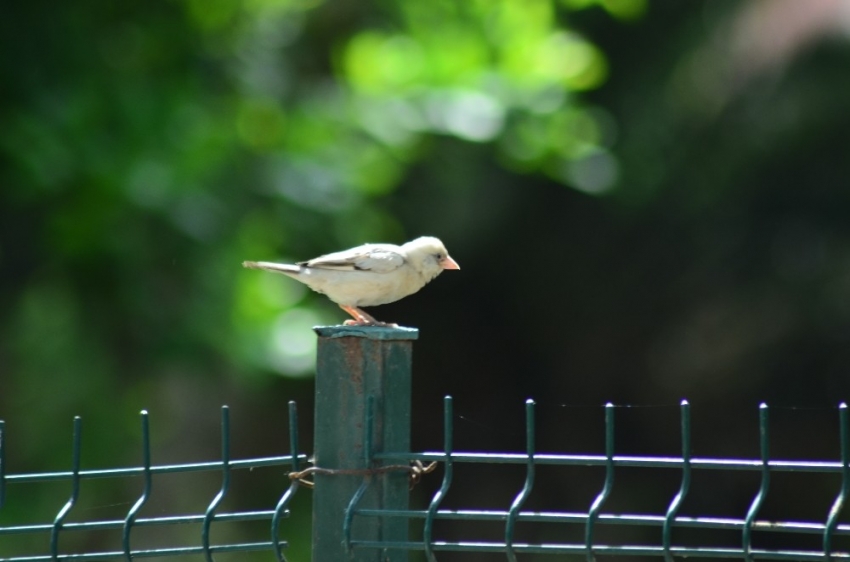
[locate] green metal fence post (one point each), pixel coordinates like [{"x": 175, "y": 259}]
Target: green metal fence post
[{"x": 354, "y": 363}]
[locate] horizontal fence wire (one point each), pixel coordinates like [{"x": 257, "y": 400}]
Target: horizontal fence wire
[
  {"x": 666, "y": 523},
  {"x": 54, "y": 530}
]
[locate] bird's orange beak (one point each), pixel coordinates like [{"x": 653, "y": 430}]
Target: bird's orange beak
[{"x": 449, "y": 263}]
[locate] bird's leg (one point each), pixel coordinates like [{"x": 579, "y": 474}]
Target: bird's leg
[{"x": 361, "y": 318}]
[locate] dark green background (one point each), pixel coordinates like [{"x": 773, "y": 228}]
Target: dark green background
[{"x": 649, "y": 202}]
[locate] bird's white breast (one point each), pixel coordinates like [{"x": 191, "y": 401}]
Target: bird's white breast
[{"x": 363, "y": 288}]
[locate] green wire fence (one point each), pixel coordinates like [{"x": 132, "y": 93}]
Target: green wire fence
[
  {"x": 666, "y": 522},
  {"x": 53, "y": 531},
  {"x": 363, "y": 468}
]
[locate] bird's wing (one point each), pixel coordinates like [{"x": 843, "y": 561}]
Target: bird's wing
[{"x": 379, "y": 258}]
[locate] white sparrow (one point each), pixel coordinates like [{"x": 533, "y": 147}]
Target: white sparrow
[{"x": 370, "y": 274}]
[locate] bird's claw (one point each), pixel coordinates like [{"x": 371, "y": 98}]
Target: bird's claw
[{"x": 368, "y": 323}]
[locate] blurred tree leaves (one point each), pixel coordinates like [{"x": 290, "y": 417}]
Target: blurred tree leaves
[{"x": 165, "y": 130}]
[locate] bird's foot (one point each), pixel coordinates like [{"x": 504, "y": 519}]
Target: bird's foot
[
  {"x": 373, "y": 322},
  {"x": 363, "y": 319}
]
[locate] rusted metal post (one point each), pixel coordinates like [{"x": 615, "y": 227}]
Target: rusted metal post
[{"x": 354, "y": 363}]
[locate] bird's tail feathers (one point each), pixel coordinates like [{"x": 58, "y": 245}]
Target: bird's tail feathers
[{"x": 270, "y": 266}]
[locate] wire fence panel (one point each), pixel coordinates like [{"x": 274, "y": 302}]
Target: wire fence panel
[
  {"x": 52, "y": 533},
  {"x": 666, "y": 523},
  {"x": 365, "y": 468}
]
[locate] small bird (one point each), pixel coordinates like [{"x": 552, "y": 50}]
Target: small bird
[{"x": 369, "y": 275}]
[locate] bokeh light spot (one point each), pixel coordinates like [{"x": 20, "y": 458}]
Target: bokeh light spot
[
  {"x": 595, "y": 174},
  {"x": 292, "y": 343}
]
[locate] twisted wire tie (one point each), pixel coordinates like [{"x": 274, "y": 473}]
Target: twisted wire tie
[{"x": 416, "y": 470}]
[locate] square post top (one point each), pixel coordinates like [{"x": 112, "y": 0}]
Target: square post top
[{"x": 384, "y": 333}]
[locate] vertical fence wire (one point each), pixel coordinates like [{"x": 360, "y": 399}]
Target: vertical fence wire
[
  {"x": 593, "y": 514},
  {"x": 225, "y": 483},
  {"x": 293, "y": 483},
  {"x": 758, "y": 501},
  {"x": 527, "y": 486},
  {"x": 75, "y": 489},
  {"x": 666, "y": 530},
  {"x": 448, "y": 432},
  {"x": 838, "y": 504},
  {"x": 146, "y": 491},
  {"x": 369, "y": 427},
  {"x": 2, "y": 463}
]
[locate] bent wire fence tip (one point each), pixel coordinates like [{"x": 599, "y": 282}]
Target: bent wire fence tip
[
  {"x": 522, "y": 496},
  {"x": 596, "y": 506},
  {"x": 146, "y": 490}
]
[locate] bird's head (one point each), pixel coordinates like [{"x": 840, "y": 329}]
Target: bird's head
[{"x": 429, "y": 256}]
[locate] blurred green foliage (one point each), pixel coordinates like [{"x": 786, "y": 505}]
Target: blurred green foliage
[
  {"x": 648, "y": 200},
  {"x": 168, "y": 141}
]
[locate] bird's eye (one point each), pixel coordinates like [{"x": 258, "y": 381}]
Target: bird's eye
[{"x": 439, "y": 257}]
